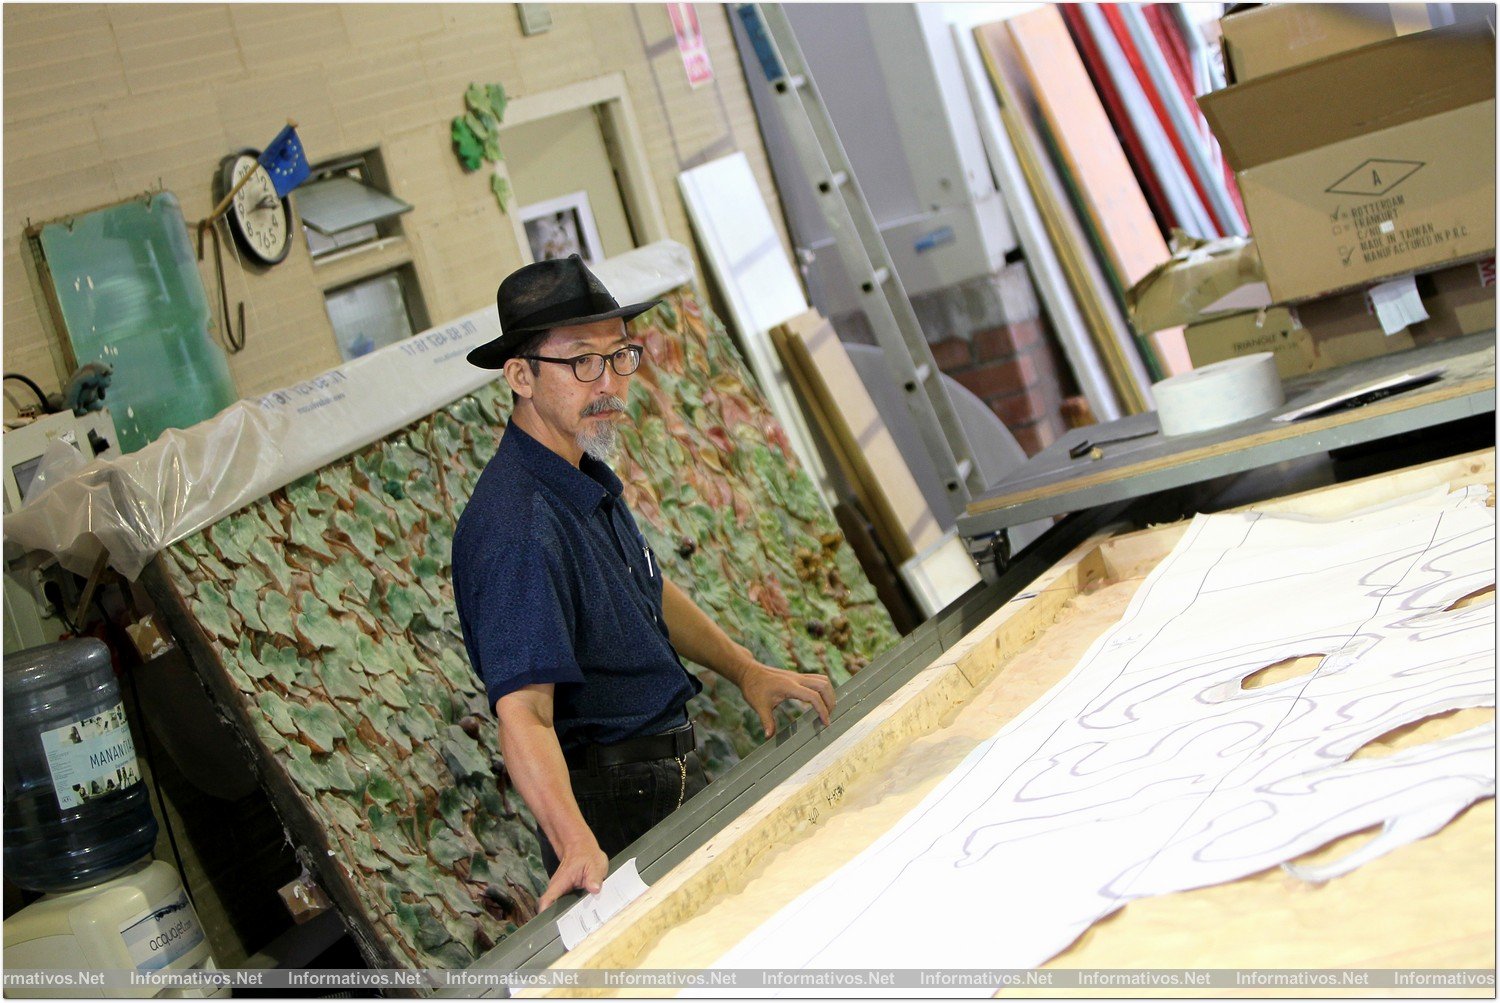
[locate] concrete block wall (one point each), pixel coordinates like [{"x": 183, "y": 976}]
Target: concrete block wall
[{"x": 105, "y": 102}]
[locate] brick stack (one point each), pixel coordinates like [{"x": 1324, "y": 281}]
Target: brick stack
[
  {"x": 988, "y": 334},
  {"x": 1011, "y": 369}
]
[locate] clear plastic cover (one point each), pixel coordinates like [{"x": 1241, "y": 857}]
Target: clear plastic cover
[{"x": 186, "y": 479}]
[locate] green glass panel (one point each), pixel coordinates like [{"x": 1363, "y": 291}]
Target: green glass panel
[{"x": 132, "y": 298}]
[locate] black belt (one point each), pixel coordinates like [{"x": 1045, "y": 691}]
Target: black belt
[{"x": 672, "y": 745}]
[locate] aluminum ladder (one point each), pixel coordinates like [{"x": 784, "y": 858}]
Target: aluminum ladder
[{"x": 862, "y": 249}]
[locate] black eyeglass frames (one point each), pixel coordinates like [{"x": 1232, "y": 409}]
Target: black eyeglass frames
[{"x": 588, "y": 368}]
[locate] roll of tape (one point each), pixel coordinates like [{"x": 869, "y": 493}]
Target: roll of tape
[{"x": 1218, "y": 394}]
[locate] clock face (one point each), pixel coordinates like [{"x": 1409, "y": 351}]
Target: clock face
[{"x": 260, "y": 221}]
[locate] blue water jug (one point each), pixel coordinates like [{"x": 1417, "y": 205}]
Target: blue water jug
[{"x": 76, "y": 811}]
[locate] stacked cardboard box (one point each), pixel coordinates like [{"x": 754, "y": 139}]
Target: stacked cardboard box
[
  {"x": 1459, "y": 300},
  {"x": 1265, "y": 38},
  {"x": 1217, "y": 291},
  {"x": 1368, "y": 163},
  {"x": 1342, "y": 328}
]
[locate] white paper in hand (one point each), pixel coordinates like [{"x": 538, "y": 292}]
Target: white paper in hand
[{"x": 620, "y": 889}]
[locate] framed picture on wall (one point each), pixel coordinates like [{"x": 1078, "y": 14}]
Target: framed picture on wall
[{"x": 562, "y": 226}]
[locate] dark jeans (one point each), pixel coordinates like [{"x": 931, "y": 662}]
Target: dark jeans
[{"x": 620, "y": 803}]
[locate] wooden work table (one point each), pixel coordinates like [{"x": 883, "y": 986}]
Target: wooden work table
[{"x": 1429, "y": 904}]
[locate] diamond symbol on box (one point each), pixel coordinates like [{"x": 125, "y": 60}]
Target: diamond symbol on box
[{"x": 1375, "y": 177}]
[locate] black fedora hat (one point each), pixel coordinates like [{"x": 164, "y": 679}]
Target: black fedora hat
[{"x": 561, "y": 292}]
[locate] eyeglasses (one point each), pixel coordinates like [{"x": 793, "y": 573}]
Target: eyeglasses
[{"x": 588, "y": 368}]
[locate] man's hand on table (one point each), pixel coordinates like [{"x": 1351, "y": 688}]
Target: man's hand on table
[
  {"x": 582, "y": 868},
  {"x": 765, "y": 688}
]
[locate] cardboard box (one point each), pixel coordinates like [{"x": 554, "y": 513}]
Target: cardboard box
[
  {"x": 1273, "y": 37},
  {"x": 1459, "y": 300},
  {"x": 1322, "y": 334},
  {"x": 1201, "y": 279},
  {"x": 1344, "y": 329},
  {"x": 1336, "y": 330},
  {"x": 1366, "y": 165},
  {"x": 1272, "y": 330}
]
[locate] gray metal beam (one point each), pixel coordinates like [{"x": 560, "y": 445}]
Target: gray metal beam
[{"x": 1052, "y": 469}]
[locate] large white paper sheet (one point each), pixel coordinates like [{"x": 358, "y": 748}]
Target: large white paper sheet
[{"x": 1150, "y": 770}]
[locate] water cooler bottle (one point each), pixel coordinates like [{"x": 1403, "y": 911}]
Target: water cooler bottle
[{"x": 79, "y": 828}]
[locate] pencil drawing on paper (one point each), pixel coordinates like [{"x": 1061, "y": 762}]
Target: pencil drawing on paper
[{"x": 1151, "y": 768}]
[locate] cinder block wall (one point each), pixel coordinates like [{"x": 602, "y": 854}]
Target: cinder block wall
[{"x": 103, "y": 102}]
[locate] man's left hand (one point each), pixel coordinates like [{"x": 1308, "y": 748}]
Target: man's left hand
[{"x": 765, "y": 688}]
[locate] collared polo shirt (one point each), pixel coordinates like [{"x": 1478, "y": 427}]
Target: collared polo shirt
[{"x": 555, "y": 584}]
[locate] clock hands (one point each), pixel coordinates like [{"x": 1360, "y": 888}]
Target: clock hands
[{"x": 260, "y": 219}]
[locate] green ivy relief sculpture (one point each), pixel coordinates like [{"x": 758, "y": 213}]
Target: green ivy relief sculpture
[
  {"x": 329, "y": 608},
  {"x": 476, "y": 135}
]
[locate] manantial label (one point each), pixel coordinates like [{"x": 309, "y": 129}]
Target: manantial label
[{"x": 91, "y": 758}]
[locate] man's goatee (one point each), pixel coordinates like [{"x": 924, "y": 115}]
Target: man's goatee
[{"x": 602, "y": 442}]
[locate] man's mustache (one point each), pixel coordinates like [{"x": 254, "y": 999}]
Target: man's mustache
[{"x": 603, "y": 405}]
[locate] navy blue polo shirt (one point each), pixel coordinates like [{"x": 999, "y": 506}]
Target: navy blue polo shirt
[{"x": 555, "y": 584}]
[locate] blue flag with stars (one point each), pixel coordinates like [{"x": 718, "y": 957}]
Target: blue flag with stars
[{"x": 285, "y": 161}]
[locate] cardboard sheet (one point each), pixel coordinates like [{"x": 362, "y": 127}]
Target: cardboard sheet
[
  {"x": 884, "y": 482},
  {"x": 1111, "y": 197},
  {"x": 1041, "y": 257},
  {"x": 1202, "y": 278},
  {"x": 1117, "y": 347}
]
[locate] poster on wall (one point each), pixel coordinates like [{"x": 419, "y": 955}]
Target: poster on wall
[
  {"x": 690, "y": 43},
  {"x": 562, "y": 226}
]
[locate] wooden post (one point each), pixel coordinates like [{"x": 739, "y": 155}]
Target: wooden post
[
  {"x": 224, "y": 203},
  {"x": 100, "y": 563}
]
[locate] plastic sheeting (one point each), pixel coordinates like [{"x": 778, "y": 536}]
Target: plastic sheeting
[{"x": 187, "y": 479}]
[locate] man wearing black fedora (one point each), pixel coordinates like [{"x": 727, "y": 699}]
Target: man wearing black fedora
[{"x": 565, "y": 613}]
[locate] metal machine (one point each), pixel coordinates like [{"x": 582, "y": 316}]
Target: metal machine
[
  {"x": 1130, "y": 482},
  {"x": 140, "y": 921},
  {"x": 1137, "y": 461},
  {"x": 1090, "y": 504},
  {"x": 36, "y": 589},
  {"x": 92, "y": 434}
]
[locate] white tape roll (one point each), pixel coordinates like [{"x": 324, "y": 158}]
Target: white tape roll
[{"x": 1219, "y": 394}]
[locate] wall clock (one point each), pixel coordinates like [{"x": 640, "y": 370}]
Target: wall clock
[{"x": 261, "y": 222}]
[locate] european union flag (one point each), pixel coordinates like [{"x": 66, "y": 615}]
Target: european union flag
[{"x": 285, "y": 161}]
